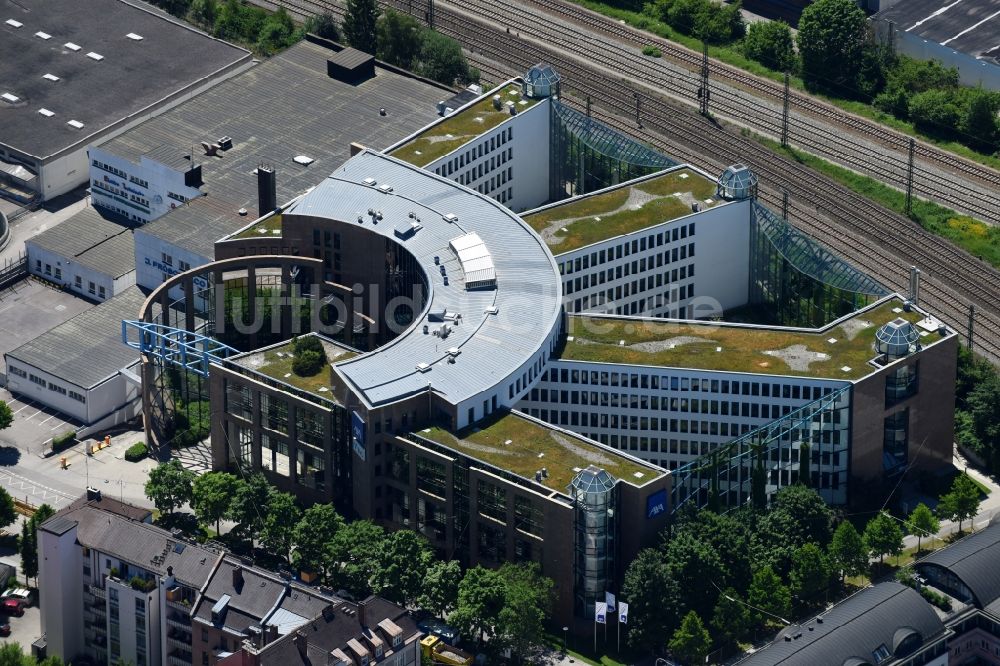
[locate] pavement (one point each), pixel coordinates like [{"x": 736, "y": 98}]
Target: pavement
[
  {"x": 26, "y": 629},
  {"x": 51, "y": 214}
]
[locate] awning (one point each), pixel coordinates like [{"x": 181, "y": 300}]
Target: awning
[{"x": 18, "y": 172}]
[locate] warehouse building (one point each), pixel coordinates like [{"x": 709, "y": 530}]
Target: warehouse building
[{"x": 77, "y": 74}]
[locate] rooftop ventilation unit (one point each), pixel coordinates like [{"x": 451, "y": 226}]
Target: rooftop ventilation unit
[
  {"x": 134, "y": 37},
  {"x": 225, "y": 142},
  {"x": 453, "y": 351},
  {"x": 75, "y": 124},
  {"x": 46, "y": 113},
  {"x": 95, "y": 56},
  {"x": 406, "y": 230},
  {"x": 423, "y": 367},
  {"x": 43, "y": 35},
  {"x": 50, "y": 77},
  {"x": 14, "y": 24},
  {"x": 71, "y": 46},
  {"x": 476, "y": 261},
  {"x": 385, "y": 187},
  {"x": 370, "y": 182},
  {"x": 451, "y": 217},
  {"x": 304, "y": 160}
]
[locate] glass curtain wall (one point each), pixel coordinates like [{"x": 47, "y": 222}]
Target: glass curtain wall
[
  {"x": 795, "y": 281},
  {"x": 594, "y": 497},
  {"x": 770, "y": 457}
]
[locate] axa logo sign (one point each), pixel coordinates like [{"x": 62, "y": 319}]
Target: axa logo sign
[{"x": 656, "y": 504}]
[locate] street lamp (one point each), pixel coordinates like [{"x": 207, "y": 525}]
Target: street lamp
[{"x": 565, "y": 638}]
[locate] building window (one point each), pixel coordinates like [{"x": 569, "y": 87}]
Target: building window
[
  {"x": 895, "y": 441},
  {"x": 167, "y": 259},
  {"x": 101, "y": 293},
  {"x": 901, "y": 384},
  {"x": 91, "y": 288},
  {"x": 78, "y": 282}
]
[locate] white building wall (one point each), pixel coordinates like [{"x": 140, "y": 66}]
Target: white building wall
[
  {"x": 971, "y": 70},
  {"x": 50, "y": 390},
  {"x": 63, "y": 174},
  {"x": 509, "y": 163},
  {"x": 156, "y": 261},
  {"x": 686, "y": 268},
  {"x": 82, "y": 280},
  {"x": 60, "y": 593},
  {"x": 142, "y": 192},
  {"x": 139, "y": 624}
]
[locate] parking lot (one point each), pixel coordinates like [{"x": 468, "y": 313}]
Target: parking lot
[{"x": 30, "y": 308}]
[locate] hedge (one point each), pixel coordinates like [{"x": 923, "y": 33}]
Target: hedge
[
  {"x": 136, "y": 452},
  {"x": 63, "y": 441}
]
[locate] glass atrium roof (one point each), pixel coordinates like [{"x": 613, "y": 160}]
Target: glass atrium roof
[
  {"x": 811, "y": 258},
  {"x": 897, "y": 334},
  {"x": 602, "y": 139},
  {"x": 592, "y": 480},
  {"x": 738, "y": 182},
  {"x": 542, "y": 75}
]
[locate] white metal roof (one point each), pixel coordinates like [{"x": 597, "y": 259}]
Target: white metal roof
[
  {"x": 476, "y": 261},
  {"x": 500, "y": 329}
]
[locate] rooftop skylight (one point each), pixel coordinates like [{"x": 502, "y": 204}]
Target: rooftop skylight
[{"x": 14, "y": 24}]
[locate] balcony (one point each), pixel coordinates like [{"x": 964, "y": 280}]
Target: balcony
[{"x": 177, "y": 619}]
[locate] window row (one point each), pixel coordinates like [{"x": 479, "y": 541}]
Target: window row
[{"x": 628, "y": 248}]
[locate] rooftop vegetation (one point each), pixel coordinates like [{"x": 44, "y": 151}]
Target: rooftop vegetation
[
  {"x": 267, "y": 228},
  {"x": 277, "y": 363}
]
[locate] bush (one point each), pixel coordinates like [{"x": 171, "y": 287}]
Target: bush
[
  {"x": 308, "y": 343},
  {"x": 770, "y": 43},
  {"x": 939, "y": 600},
  {"x": 308, "y": 363},
  {"x": 652, "y": 51},
  {"x": 934, "y": 111},
  {"x": 63, "y": 441},
  {"x": 136, "y": 452}
]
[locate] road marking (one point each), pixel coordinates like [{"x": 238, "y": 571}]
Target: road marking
[
  {"x": 29, "y": 404},
  {"x": 972, "y": 27},
  {"x": 48, "y": 419},
  {"x": 936, "y": 13},
  {"x": 25, "y": 484},
  {"x": 33, "y": 415}
]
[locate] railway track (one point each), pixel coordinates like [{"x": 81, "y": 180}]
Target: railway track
[
  {"x": 874, "y": 239},
  {"x": 813, "y": 126}
]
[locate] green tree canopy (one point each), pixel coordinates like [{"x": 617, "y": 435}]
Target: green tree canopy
[
  {"x": 731, "y": 619},
  {"x": 249, "y": 504},
  {"x": 922, "y": 523},
  {"x": 28, "y": 543},
  {"x": 527, "y": 607},
  {"x": 169, "y": 486},
  {"x": 314, "y": 539},
  {"x": 691, "y": 641},
  {"x": 847, "y": 551},
  {"x": 6, "y": 415},
  {"x": 652, "y": 596},
  {"x": 770, "y": 43},
  {"x": 355, "y": 550},
  {"x": 832, "y": 38},
  {"x": 481, "y": 597},
  {"x": 961, "y": 503},
  {"x": 325, "y": 26},
  {"x": 400, "y": 39},
  {"x": 211, "y": 494},
  {"x": 695, "y": 566},
  {"x": 359, "y": 25},
  {"x": 769, "y": 594},
  {"x": 439, "y": 592},
  {"x": 728, "y": 536},
  {"x": 441, "y": 59},
  {"x": 810, "y": 573},
  {"x": 277, "y": 32},
  {"x": 401, "y": 564},
  {"x": 883, "y": 536},
  {"x": 280, "y": 520},
  {"x": 7, "y": 512},
  {"x": 797, "y": 515}
]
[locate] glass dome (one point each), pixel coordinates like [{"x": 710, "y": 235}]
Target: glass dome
[
  {"x": 895, "y": 338},
  {"x": 592, "y": 480},
  {"x": 541, "y": 81},
  {"x": 737, "y": 182}
]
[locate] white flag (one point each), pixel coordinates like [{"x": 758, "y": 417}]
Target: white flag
[
  {"x": 623, "y": 613},
  {"x": 609, "y": 599},
  {"x": 600, "y": 612}
]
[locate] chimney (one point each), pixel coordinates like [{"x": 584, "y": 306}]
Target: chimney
[
  {"x": 362, "y": 619},
  {"x": 300, "y": 643},
  {"x": 267, "y": 195},
  {"x": 237, "y": 577},
  {"x": 270, "y": 634}
]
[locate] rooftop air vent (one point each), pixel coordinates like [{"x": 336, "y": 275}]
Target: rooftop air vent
[
  {"x": 370, "y": 182},
  {"x": 134, "y": 37},
  {"x": 423, "y": 367},
  {"x": 385, "y": 187},
  {"x": 451, "y": 217},
  {"x": 95, "y": 56},
  {"x": 71, "y": 46},
  {"x": 75, "y": 124},
  {"x": 43, "y": 35},
  {"x": 454, "y": 351},
  {"x": 7, "y": 97},
  {"x": 304, "y": 160},
  {"x": 50, "y": 77},
  {"x": 14, "y": 24},
  {"x": 46, "y": 113}
]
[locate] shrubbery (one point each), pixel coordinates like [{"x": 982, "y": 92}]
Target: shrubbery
[
  {"x": 714, "y": 23},
  {"x": 136, "y": 452},
  {"x": 652, "y": 51},
  {"x": 264, "y": 32},
  {"x": 63, "y": 441}
]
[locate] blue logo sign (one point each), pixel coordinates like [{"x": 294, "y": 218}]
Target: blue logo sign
[
  {"x": 358, "y": 435},
  {"x": 656, "y": 503}
]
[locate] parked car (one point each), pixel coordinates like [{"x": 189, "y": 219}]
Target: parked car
[
  {"x": 12, "y": 607},
  {"x": 19, "y": 594},
  {"x": 5, "y": 629}
]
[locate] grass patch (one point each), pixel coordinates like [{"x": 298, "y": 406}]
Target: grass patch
[
  {"x": 597, "y": 340},
  {"x": 277, "y": 364},
  {"x": 971, "y": 235},
  {"x": 731, "y": 55},
  {"x": 532, "y": 447},
  {"x": 604, "y": 660},
  {"x": 263, "y": 228},
  {"x": 460, "y": 128},
  {"x": 594, "y": 218}
]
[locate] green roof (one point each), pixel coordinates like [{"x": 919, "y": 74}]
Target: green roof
[
  {"x": 461, "y": 127},
  {"x": 589, "y": 219},
  {"x": 269, "y": 227},
  {"x": 276, "y": 363},
  {"x": 777, "y": 351},
  {"x": 534, "y": 446}
]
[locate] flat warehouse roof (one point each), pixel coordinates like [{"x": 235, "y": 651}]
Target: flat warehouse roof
[
  {"x": 76, "y": 61},
  {"x": 282, "y": 108},
  {"x": 95, "y": 238},
  {"x": 87, "y": 349},
  {"x": 969, "y": 26}
]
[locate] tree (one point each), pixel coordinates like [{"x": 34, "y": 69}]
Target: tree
[
  {"x": 401, "y": 564},
  {"x": 727, "y": 536},
  {"x": 441, "y": 59},
  {"x": 203, "y": 12},
  {"x": 280, "y": 520},
  {"x": 810, "y": 573},
  {"x": 520, "y": 624},
  {"x": 439, "y": 592},
  {"x": 325, "y": 26},
  {"x": 798, "y": 515},
  {"x": 770, "y": 595},
  {"x": 979, "y": 119},
  {"x": 314, "y": 536},
  {"x": 400, "y": 38},
  {"x": 652, "y": 595},
  {"x": 770, "y": 43},
  {"x": 695, "y": 566},
  {"x": 359, "y": 25},
  {"x": 731, "y": 619},
  {"x": 355, "y": 549},
  {"x": 211, "y": 494},
  {"x": 248, "y": 505},
  {"x": 691, "y": 641},
  {"x": 12, "y": 654},
  {"x": 308, "y": 363},
  {"x": 6, "y": 415},
  {"x": 481, "y": 597},
  {"x": 28, "y": 545},
  {"x": 934, "y": 111},
  {"x": 883, "y": 536},
  {"x": 847, "y": 551},
  {"x": 758, "y": 480},
  {"x": 169, "y": 486},
  {"x": 923, "y": 522},
  {"x": 277, "y": 32},
  {"x": 961, "y": 503},
  {"x": 831, "y": 39},
  {"x": 7, "y": 512}
]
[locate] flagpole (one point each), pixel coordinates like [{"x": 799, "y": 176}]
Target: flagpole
[
  {"x": 619, "y": 634},
  {"x": 595, "y": 627}
]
